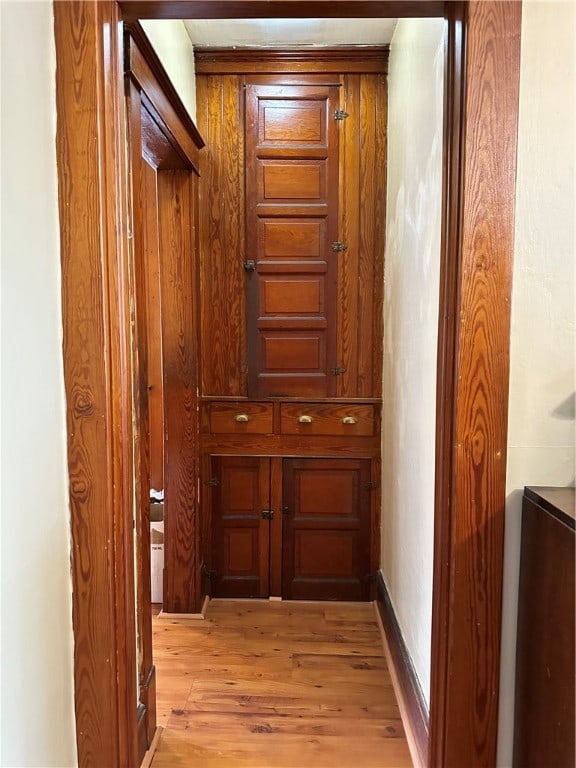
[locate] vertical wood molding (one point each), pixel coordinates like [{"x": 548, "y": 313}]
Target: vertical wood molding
[
  {"x": 362, "y": 218},
  {"x": 479, "y": 234},
  {"x": 221, "y": 229},
  {"x": 181, "y": 527},
  {"x": 154, "y": 329},
  {"x": 97, "y": 370},
  {"x": 139, "y": 214}
]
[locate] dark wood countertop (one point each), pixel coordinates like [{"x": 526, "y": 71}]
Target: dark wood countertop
[{"x": 559, "y": 502}]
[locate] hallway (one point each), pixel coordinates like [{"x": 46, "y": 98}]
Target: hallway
[{"x": 266, "y": 684}]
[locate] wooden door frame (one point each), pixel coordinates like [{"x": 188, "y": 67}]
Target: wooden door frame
[{"x": 477, "y": 253}]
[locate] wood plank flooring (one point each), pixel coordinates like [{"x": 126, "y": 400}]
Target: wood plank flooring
[{"x": 262, "y": 684}]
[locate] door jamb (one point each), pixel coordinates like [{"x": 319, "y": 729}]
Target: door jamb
[{"x": 474, "y": 352}]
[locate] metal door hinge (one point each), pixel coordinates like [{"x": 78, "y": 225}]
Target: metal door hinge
[
  {"x": 250, "y": 265},
  {"x": 371, "y": 577},
  {"x": 212, "y": 481},
  {"x": 337, "y": 370},
  {"x": 267, "y": 514},
  {"x": 371, "y": 485},
  {"x": 338, "y": 246},
  {"x": 340, "y": 114}
]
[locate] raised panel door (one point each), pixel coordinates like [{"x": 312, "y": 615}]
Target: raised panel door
[
  {"x": 326, "y": 529},
  {"x": 315, "y": 542},
  {"x": 292, "y": 221},
  {"x": 240, "y": 533}
]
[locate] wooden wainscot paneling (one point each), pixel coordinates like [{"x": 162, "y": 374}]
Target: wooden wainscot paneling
[
  {"x": 362, "y": 218},
  {"x": 221, "y": 237},
  {"x": 181, "y": 534},
  {"x": 154, "y": 327},
  {"x": 138, "y": 194},
  {"x": 244, "y": 313}
]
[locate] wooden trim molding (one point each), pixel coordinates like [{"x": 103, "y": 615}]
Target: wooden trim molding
[
  {"x": 340, "y": 60},
  {"x": 280, "y": 9},
  {"x": 92, "y": 179},
  {"x": 144, "y": 67},
  {"x": 415, "y": 705},
  {"x": 483, "y": 73}
]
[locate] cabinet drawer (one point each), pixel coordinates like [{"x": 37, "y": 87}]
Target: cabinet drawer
[
  {"x": 241, "y": 418},
  {"x": 350, "y": 420}
]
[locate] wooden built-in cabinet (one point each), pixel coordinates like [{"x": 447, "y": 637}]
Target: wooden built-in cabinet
[
  {"x": 291, "y": 235},
  {"x": 293, "y": 528}
]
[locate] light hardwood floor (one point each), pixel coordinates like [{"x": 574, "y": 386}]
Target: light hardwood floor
[{"x": 262, "y": 684}]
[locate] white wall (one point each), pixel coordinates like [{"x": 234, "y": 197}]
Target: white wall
[
  {"x": 37, "y": 716},
  {"x": 541, "y": 408},
  {"x": 172, "y": 44},
  {"x": 416, "y": 93}
]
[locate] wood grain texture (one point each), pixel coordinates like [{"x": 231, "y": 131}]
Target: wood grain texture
[
  {"x": 177, "y": 129},
  {"x": 293, "y": 445},
  {"x": 144, "y": 64},
  {"x": 139, "y": 348},
  {"x": 281, "y": 9},
  {"x": 265, "y": 684},
  {"x": 344, "y": 420},
  {"x": 221, "y": 237},
  {"x": 86, "y": 133},
  {"x": 469, "y": 544},
  {"x": 97, "y": 369},
  {"x": 291, "y": 60},
  {"x": 362, "y": 223},
  {"x": 325, "y": 529},
  {"x": 154, "y": 329},
  {"x": 179, "y": 345},
  {"x": 223, "y": 418},
  {"x": 240, "y": 535},
  {"x": 276, "y": 527},
  {"x": 361, "y": 204},
  {"x": 291, "y": 169}
]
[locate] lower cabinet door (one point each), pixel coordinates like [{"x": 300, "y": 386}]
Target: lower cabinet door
[
  {"x": 326, "y": 529},
  {"x": 240, "y": 527},
  {"x": 315, "y": 545}
]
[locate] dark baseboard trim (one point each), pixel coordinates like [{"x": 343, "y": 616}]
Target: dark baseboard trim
[{"x": 415, "y": 705}]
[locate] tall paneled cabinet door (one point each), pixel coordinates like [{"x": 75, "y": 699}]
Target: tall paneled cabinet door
[{"x": 291, "y": 231}]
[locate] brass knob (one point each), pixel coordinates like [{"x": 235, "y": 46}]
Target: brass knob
[
  {"x": 349, "y": 420},
  {"x": 305, "y": 419},
  {"x": 242, "y": 417}
]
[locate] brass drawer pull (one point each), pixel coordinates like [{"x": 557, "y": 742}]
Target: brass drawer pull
[
  {"x": 242, "y": 417},
  {"x": 349, "y": 420},
  {"x": 305, "y": 419}
]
